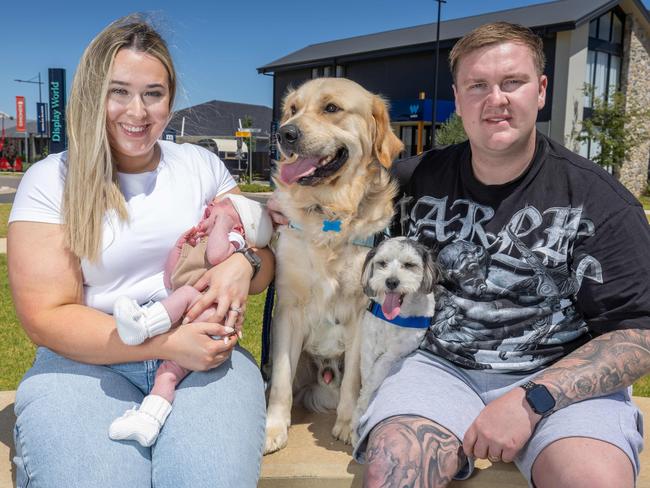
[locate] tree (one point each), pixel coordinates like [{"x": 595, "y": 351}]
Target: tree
[
  {"x": 615, "y": 126},
  {"x": 451, "y": 131}
]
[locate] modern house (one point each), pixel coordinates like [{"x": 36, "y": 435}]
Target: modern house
[
  {"x": 214, "y": 125},
  {"x": 605, "y": 43}
]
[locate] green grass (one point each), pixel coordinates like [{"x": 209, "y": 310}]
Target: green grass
[
  {"x": 252, "y": 339},
  {"x": 254, "y": 188},
  {"x": 642, "y": 387},
  {"x": 645, "y": 201},
  {"x": 5, "y": 208},
  {"x": 16, "y": 350}
]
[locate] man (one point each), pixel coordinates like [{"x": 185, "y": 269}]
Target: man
[{"x": 542, "y": 322}]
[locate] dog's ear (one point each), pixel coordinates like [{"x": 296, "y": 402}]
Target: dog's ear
[
  {"x": 386, "y": 145},
  {"x": 431, "y": 273},
  {"x": 285, "y": 114},
  {"x": 366, "y": 273}
]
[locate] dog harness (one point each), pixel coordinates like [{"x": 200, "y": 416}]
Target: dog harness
[{"x": 415, "y": 322}]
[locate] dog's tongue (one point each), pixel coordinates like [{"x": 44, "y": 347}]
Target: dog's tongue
[
  {"x": 327, "y": 376},
  {"x": 391, "y": 305},
  {"x": 294, "y": 171}
]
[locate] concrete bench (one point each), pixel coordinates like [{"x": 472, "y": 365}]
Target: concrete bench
[{"x": 313, "y": 459}]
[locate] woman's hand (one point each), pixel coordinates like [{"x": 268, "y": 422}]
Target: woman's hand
[
  {"x": 226, "y": 285},
  {"x": 194, "y": 346}
]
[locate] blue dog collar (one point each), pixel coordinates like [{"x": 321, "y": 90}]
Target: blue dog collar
[
  {"x": 416, "y": 322},
  {"x": 335, "y": 226}
]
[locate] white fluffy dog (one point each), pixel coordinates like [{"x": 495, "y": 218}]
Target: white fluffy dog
[{"x": 399, "y": 275}]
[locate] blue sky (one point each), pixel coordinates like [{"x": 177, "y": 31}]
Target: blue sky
[{"x": 217, "y": 45}]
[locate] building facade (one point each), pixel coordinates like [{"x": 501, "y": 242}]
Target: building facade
[
  {"x": 214, "y": 125},
  {"x": 601, "y": 42}
]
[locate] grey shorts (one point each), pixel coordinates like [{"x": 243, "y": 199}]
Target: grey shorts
[{"x": 433, "y": 388}]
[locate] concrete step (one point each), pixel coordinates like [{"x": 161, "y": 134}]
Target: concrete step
[{"x": 313, "y": 459}]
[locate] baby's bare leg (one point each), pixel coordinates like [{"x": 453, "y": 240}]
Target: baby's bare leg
[
  {"x": 168, "y": 376},
  {"x": 179, "y": 302}
]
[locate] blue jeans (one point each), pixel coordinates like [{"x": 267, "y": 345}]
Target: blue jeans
[{"x": 213, "y": 436}]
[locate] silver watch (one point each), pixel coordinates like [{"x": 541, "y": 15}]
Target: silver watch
[{"x": 253, "y": 259}]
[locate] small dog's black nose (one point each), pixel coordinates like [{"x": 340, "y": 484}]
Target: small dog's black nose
[
  {"x": 392, "y": 283},
  {"x": 288, "y": 134}
]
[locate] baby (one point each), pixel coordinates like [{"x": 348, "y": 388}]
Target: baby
[{"x": 228, "y": 225}]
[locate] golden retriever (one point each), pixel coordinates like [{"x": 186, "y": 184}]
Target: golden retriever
[{"x": 334, "y": 187}]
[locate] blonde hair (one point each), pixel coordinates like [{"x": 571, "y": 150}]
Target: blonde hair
[
  {"x": 497, "y": 33},
  {"x": 91, "y": 188}
]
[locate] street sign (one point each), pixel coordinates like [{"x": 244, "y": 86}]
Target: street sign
[
  {"x": 41, "y": 108},
  {"x": 242, "y": 134}
]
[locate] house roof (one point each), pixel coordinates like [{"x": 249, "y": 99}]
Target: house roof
[
  {"x": 219, "y": 118},
  {"x": 550, "y": 16}
]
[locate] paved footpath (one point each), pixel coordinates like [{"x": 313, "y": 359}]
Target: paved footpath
[{"x": 3, "y": 245}]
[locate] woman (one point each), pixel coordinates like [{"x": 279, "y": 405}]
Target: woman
[{"x": 97, "y": 222}]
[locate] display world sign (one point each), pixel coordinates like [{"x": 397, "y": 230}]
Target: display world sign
[{"x": 56, "y": 88}]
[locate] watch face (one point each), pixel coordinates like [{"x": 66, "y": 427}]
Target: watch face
[{"x": 540, "y": 399}]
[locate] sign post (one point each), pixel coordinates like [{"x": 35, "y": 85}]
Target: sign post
[
  {"x": 248, "y": 132},
  {"x": 21, "y": 122}
]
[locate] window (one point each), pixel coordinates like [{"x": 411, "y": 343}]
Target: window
[
  {"x": 608, "y": 27},
  {"x": 321, "y": 71},
  {"x": 617, "y": 30},
  {"x": 593, "y": 28},
  {"x": 604, "y": 24},
  {"x": 340, "y": 71},
  {"x": 591, "y": 64},
  {"x": 604, "y": 59},
  {"x": 600, "y": 80},
  {"x": 614, "y": 74}
]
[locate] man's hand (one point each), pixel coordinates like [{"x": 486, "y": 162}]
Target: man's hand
[{"x": 502, "y": 428}]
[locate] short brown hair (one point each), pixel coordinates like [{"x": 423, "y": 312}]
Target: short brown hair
[{"x": 497, "y": 33}]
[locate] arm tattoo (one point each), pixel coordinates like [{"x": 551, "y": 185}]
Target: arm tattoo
[
  {"x": 603, "y": 365},
  {"x": 410, "y": 451}
]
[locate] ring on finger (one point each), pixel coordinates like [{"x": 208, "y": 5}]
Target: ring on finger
[
  {"x": 494, "y": 459},
  {"x": 237, "y": 310}
]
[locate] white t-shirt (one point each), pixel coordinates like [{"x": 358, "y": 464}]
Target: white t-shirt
[{"x": 161, "y": 204}]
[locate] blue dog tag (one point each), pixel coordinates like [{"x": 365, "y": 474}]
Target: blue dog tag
[{"x": 331, "y": 226}]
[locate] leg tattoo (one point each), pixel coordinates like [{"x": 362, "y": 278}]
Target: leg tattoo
[{"x": 410, "y": 451}]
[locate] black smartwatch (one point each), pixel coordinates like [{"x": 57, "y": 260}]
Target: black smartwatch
[
  {"x": 539, "y": 398},
  {"x": 253, "y": 259}
]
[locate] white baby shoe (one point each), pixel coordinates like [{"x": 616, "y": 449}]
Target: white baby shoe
[
  {"x": 141, "y": 424},
  {"x": 136, "y": 323}
]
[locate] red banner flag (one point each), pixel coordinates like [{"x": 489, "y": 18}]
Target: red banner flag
[{"x": 20, "y": 114}]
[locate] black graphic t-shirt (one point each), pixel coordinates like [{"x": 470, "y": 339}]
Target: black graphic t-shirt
[{"x": 533, "y": 268}]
